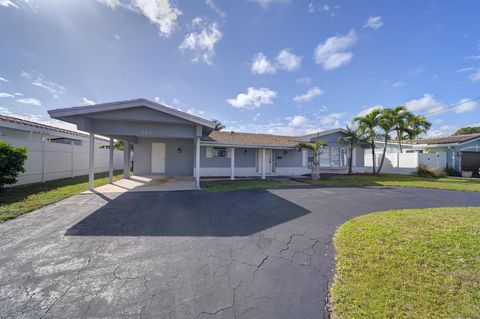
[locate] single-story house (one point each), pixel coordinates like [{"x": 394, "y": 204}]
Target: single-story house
[{"x": 169, "y": 142}]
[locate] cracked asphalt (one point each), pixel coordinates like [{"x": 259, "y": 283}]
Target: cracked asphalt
[{"x": 191, "y": 254}]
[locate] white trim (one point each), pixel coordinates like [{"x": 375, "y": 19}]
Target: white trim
[
  {"x": 91, "y": 161},
  {"x": 232, "y": 163},
  {"x": 197, "y": 161},
  {"x": 110, "y": 162}
]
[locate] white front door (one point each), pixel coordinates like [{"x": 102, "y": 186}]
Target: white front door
[
  {"x": 158, "y": 157},
  {"x": 268, "y": 161}
]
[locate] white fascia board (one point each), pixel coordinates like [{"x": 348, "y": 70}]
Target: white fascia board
[{"x": 214, "y": 144}]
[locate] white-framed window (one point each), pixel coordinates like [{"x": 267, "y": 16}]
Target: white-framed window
[{"x": 219, "y": 152}]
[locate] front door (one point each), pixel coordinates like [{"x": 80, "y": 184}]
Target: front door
[
  {"x": 158, "y": 157},
  {"x": 268, "y": 161}
]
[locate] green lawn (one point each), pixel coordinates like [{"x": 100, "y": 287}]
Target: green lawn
[
  {"x": 452, "y": 183},
  {"x": 18, "y": 200},
  {"x": 420, "y": 263},
  {"x": 225, "y": 186}
]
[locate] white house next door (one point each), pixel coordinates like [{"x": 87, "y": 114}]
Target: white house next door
[{"x": 158, "y": 157}]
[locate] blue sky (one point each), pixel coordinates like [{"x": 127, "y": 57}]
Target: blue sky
[{"x": 276, "y": 66}]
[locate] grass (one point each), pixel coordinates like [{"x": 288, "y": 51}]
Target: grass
[
  {"x": 420, "y": 263},
  {"x": 451, "y": 183},
  {"x": 225, "y": 186},
  {"x": 18, "y": 200}
]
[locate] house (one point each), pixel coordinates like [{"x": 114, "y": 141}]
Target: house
[{"x": 169, "y": 142}]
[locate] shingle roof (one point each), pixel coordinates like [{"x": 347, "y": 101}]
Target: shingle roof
[
  {"x": 252, "y": 139},
  {"x": 454, "y": 139},
  {"x": 20, "y": 121}
]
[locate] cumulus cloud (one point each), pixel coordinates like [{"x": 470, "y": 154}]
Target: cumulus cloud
[
  {"x": 8, "y": 3},
  {"x": 374, "y": 23},
  {"x": 427, "y": 103},
  {"x": 253, "y": 99},
  {"x": 367, "y": 110},
  {"x": 262, "y": 65},
  {"x": 288, "y": 61},
  {"x": 201, "y": 43},
  {"x": 87, "y": 101},
  {"x": 333, "y": 53},
  {"x": 4, "y": 95},
  {"x": 298, "y": 120},
  {"x": 466, "y": 105},
  {"x": 311, "y": 93},
  {"x": 39, "y": 80},
  {"x": 3, "y": 79},
  {"x": 30, "y": 101}
]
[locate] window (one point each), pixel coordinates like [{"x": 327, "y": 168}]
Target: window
[{"x": 219, "y": 152}]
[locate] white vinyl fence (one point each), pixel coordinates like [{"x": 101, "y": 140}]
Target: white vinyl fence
[
  {"x": 48, "y": 161},
  {"x": 406, "y": 163}
]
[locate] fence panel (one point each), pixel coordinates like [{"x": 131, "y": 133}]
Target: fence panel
[{"x": 406, "y": 163}]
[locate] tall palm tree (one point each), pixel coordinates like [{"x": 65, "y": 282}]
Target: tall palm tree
[
  {"x": 387, "y": 122},
  {"x": 317, "y": 149},
  {"x": 352, "y": 138},
  {"x": 218, "y": 125},
  {"x": 417, "y": 125},
  {"x": 367, "y": 125},
  {"x": 401, "y": 115}
]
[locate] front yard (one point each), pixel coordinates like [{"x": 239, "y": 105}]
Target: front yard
[{"x": 420, "y": 263}]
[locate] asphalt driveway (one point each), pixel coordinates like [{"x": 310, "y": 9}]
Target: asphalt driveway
[{"x": 191, "y": 254}]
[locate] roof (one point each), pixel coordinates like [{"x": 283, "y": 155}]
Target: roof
[
  {"x": 16, "y": 120},
  {"x": 454, "y": 139},
  {"x": 96, "y": 108},
  {"x": 234, "y": 138}
]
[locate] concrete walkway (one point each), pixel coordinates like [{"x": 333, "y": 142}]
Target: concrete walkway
[{"x": 190, "y": 254}]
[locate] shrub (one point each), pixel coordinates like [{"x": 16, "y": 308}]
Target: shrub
[
  {"x": 429, "y": 171},
  {"x": 12, "y": 160},
  {"x": 450, "y": 171}
]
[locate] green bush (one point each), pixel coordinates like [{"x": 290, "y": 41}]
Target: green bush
[
  {"x": 450, "y": 171},
  {"x": 429, "y": 171},
  {"x": 12, "y": 160}
]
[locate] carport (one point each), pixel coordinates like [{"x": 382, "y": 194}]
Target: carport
[{"x": 166, "y": 141}]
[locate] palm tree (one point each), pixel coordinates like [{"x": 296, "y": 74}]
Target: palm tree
[
  {"x": 367, "y": 125},
  {"x": 401, "y": 115},
  {"x": 417, "y": 125},
  {"x": 317, "y": 149},
  {"x": 218, "y": 125},
  {"x": 387, "y": 122},
  {"x": 353, "y": 137}
]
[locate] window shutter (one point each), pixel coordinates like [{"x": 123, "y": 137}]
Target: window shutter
[
  {"x": 304, "y": 158},
  {"x": 209, "y": 151}
]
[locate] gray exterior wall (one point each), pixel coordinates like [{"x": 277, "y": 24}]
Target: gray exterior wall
[
  {"x": 330, "y": 138},
  {"x": 180, "y": 164},
  {"x": 244, "y": 157},
  {"x": 292, "y": 158}
]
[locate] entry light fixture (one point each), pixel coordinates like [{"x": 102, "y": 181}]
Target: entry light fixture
[
  {"x": 245, "y": 151},
  {"x": 179, "y": 150}
]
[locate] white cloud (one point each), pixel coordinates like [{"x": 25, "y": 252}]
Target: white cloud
[
  {"x": 445, "y": 130},
  {"x": 195, "y": 111},
  {"x": 4, "y": 95},
  {"x": 367, "y": 110},
  {"x": 399, "y": 84},
  {"x": 333, "y": 53},
  {"x": 265, "y": 3},
  {"x": 416, "y": 71},
  {"x": 202, "y": 42},
  {"x": 298, "y": 120},
  {"x": 304, "y": 80},
  {"x": 253, "y": 99},
  {"x": 466, "y": 105},
  {"x": 374, "y": 23},
  {"x": 38, "y": 79},
  {"x": 8, "y": 3},
  {"x": 325, "y": 8},
  {"x": 288, "y": 61},
  {"x": 313, "y": 92},
  {"x": 3, "y": 79},
  {"x": 332, "y": 120},
  {"x": 475, "y": 76},
  {"x": 88, "y": 101},
  {"x": 116, "y": 36},
  {"x": 262, "y": 65},
  {"x": 18, "y": 94},
  {"x": 216, "y": 8},
  {"x": 473, "y": 57},
  {"x": 469, "y": 68},
  {"x": 31, "y": 101},
  {"x": 111, "y": 3},
  {"x": 427, "y": 103}
]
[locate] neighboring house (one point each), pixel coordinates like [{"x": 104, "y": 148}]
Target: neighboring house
[
  {"x": 167, "y": 141},
  {"x": 54, "y": 152}
]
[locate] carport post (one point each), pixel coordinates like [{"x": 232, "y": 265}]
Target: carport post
[
  {"x": 110, "y": 163},
  {"x": 232, "y": 163},
  {"x": 263, "y": 163},
  {"x": 126, "y": 159},
  {"x": 197, "y": 161},
  {"x": 91, "y": 160}
]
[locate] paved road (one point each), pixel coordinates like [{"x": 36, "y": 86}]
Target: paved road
[{"x": 192, "y": 254}]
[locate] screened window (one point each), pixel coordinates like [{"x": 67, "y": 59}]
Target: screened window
[{"x": 219, "y": 152}]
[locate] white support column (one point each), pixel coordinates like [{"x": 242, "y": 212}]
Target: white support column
[
  {"x": 44, "y": 160},
  {"x": 110, "y": 162},
  {"x": 263, "y": 162},
  {"x": 91, "y": 160},
  {"x": 72, "y": 159},
  {"x": 197, "y": 161},
  {"x": 126, "y": 160},
  {"x": 232, "y": 163}
]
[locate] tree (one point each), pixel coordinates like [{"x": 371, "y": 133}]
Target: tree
[
  {"x": 317, "y": 149},
  {"x": 387, "y": 122},
  {"x": 368, "y": 126},
  {"x": 417, "y": 125},
  {"x": 218, "y": 125},
  {"x": 12, "y": 160},
  {"x": 353, "y": 137},
  {"x": 468, "y": 130},
  {"x": 401, "y": 117}
]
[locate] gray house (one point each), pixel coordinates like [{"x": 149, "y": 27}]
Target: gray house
[{"x": 169, "y": 142}]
